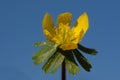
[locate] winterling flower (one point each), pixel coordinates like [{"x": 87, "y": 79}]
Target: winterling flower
[
  {"x": 63, "y": 44},
  {"x": 63, "y": 36}
]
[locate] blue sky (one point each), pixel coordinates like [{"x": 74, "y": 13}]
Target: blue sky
[{"x": 20, "y": 27}]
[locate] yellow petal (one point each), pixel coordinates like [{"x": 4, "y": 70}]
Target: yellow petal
[
  {"x": 64, "y": 18},
  {"x": 69, "y": 46},
  {"x": 48, "y": 26},
  {"x": 80, "y": 28}
]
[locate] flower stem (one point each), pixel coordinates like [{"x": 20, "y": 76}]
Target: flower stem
[{"x": 63, "y": 71}]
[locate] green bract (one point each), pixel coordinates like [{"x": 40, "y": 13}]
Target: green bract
[{"x": 53, "y": 56}]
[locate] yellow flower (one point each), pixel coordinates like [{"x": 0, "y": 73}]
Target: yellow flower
[{"x": 63, "y": 36}]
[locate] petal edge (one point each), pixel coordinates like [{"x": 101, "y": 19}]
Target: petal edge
[
  {"x": 80, "y": 27},
  {"x": 48, "y": 26}
]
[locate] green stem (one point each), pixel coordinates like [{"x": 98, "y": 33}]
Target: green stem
[{"x": 63, "y": 71}]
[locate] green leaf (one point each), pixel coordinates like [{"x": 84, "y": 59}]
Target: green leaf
[
  {"x": 47, "y": 53},
  {"x": 38, "y": 44},
  {"x": 53, "y": 62},
  {"x": 72, "y": 66},
  {"x": 50, "y": 62},
  {"x": 40, "y": 52},
  {"x": 58, "y": 62},
  {"x": 47, "y": 47},
  {"x": 87, "y": 50},
  {"x": 82, "y": 60},
  {"x": 43, "y": 43}
]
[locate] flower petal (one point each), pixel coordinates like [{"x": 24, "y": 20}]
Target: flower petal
[
  {"x": 68, "y": 46},
  {"x": 80, "y": 28},
  {"x": 64, "y": 18},
  {"x": 62, "y": 34},
  {"x": 48, "y": 26}
]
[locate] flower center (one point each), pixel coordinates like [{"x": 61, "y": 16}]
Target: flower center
[{"x": 62, "y": 38}]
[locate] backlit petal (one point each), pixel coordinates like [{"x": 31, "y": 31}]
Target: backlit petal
[
  {"x": 48, "y": 26},
  {"x": 64, "y": 31},
  {"x": 68, "y": 46},
  {"x": 64, "y": 18},
  {"x": 80, "y": 28}
]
